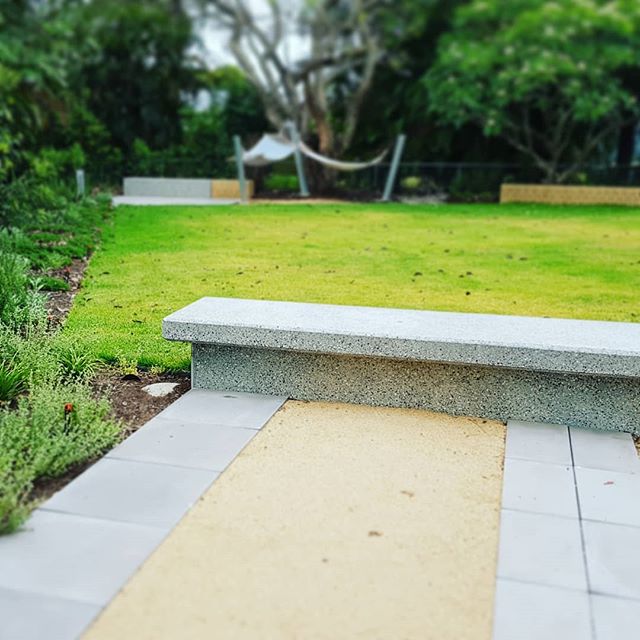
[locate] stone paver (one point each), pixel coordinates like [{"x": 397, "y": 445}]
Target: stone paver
[
  {"x": 191, "y": 444},
  {"x": 604, "y": 521},
  {"x": 613, "y": 560},
  {"x": 27, "y": 616},
  {"x": 615, "y": 619},
  {"x": 539, "y": 487},
  {"x": 612, "y": 451},
  {"x": 538, "y": 442},
  {"x": 156, "y": 495},
  {"x": 228, "y": 408},
  {"x": 542, "y": 549},
  {"x": 608, "y": 496},
  {"x": 73, "y": 557},
  {"x": 537, "y": 612}
]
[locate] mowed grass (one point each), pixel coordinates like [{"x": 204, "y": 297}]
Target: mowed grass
[{"x": 571, "y": 262}]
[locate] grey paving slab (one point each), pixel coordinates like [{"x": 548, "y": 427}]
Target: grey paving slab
[
  {"x": 615, "y": 618},
  {"x": 156, "y": 495},
  {"x": 540, "y": 344},
  {"x": 539, "y": 487},
  {"x": 537, "y": 612},
  {"x": 74, "y": 557},
  {"x": 542, "y": 549},
  {"x": 610, "y": 450},
  {"x": 29, "y": 616},
  {"x": 188, "y": 444},
  {"x": 613, "y": 560},
  {"x": 539, "y": 442},
  {"x": 609, "y": 496},
  {"x": 228, "y": 408}
]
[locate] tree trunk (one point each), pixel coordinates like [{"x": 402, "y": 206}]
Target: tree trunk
[
  {"x": 626, "y": 148},
  {"x": 626, "y": 144}
]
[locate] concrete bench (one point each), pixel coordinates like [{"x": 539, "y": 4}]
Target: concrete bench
[{"x": 574, "y": 372}]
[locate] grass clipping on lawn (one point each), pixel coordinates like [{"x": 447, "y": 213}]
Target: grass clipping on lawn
[{"x": 539, "y": 260}]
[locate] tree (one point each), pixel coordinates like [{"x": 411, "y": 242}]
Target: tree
[
  {"x": 138, "y": 68},
  {"x": 323, "y": 91},
  {"x": 35, "y": 53},
  {"x": 543, "y": 75}
]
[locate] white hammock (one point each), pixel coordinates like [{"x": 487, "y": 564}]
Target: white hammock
[
  {"x": 275, "y": 147},
  {"x": 338, "y": 164}
]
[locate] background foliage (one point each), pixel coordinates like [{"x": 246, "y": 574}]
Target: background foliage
[{"x": 124, "y": 88}]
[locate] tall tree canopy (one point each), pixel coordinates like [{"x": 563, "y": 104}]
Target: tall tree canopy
[
  {"x": 546, "y": 76},
  {"x": 138, "y": 67},
  {"x": 324, "y": 89},
  {"x": 35, "y": 55}
]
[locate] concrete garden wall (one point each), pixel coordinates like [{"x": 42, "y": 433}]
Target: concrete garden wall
[{"x": 562, "y": 194}]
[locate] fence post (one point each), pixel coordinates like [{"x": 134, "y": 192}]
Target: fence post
[
  {"x": 244, "y": 199},
  {"x": 393, "y": 169},
  {"x": 80, "y": 187},
  {"x": 302, "y": 180}
]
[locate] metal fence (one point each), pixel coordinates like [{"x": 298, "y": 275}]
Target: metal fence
[{"x": 464, "y": 180}]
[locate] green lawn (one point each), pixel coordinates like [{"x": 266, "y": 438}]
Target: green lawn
[{"x": 578, "y": 262}]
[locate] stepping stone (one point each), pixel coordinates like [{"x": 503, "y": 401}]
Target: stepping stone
[{"x": 160, "y": 389}]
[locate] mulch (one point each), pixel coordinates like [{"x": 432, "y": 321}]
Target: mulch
[{"x": 59, "y": 302}]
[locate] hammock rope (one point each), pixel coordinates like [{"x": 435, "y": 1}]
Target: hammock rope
[{"x": 275, "y": 147}]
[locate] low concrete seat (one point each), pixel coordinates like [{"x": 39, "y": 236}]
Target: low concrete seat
[{"x": 575, "y": 372}]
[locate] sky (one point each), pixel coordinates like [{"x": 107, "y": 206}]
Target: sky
[{"x": 214, "y": 39}]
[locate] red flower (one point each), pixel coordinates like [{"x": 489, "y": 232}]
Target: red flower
[{"x": 68, "y": 408}]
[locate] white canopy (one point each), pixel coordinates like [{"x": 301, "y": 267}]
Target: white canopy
[{"x": 270, "y": 148}]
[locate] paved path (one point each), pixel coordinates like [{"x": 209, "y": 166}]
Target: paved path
[
  {"x": 158, "y": 201},
  {"x": 336, "y": 521},
  {"x": 377, "y": 522},
  {"x": 569, "y": 562}
]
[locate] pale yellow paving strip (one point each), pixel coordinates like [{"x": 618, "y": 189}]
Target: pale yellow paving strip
[{"x": 337, "y": 521}]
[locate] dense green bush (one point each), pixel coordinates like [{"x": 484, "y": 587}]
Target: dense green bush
[
  {"x": 411, "y": 183},
  {"x": 281, "y": 182}
]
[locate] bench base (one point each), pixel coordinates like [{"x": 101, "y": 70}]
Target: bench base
[{"x": 574, "y": 400}]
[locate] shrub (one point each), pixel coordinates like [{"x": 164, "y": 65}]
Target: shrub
[
  {"x": 281, "y": 182},
  {"x": 411, "y": 183},
  {"x": 52, "y": 429}
]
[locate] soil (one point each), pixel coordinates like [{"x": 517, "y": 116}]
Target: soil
[
  {"x": 130, "y": 404},
  {"x": 59, "y": 302}
]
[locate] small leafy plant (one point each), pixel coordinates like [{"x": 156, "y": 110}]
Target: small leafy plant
[
  {"x": 76, "y": 363},
  {"x": 14, "y": 380}
]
